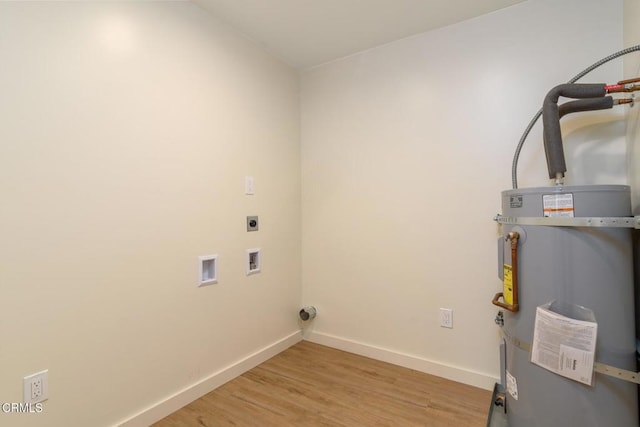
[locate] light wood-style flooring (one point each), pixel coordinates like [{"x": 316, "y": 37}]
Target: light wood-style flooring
[{"x": 313, "y": 385}]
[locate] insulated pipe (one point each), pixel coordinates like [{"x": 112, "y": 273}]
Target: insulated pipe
[
  {"x": 581, "y": 74},
  {"x": 551, "y": 121},
  {"x": 588, "y": 104},
  {"x": 585, "y": 105}
]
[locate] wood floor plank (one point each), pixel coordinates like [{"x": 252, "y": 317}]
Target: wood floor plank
[{"x": 315, "y": 385}]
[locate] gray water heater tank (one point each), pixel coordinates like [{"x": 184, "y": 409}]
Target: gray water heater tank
[{"x": 591, "y": 267}]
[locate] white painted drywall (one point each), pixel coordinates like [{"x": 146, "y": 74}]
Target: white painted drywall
[
  {"x": 632, "y": 70},
  {"x": 126, "y": 131},
  {"x": 405, "y": 150}
]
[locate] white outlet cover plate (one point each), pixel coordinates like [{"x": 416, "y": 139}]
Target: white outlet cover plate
[
  {"x": 446, "y": 318},
  {"x": 36, "y": 387}
]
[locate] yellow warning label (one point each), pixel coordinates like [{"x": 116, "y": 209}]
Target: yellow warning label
[{"x": 507, "y": 293}]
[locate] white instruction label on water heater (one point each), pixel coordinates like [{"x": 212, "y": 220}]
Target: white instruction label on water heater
[
  {"x": 564, "y": 345},
  {"x": 557, "y": 205},
  {"x": 512, "y": 385}
]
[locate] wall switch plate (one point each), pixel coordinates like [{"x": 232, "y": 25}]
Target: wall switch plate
[
  {"x": 253, "y": 261},
  {"x": 252, "y": 223},
  {"x": 207, "y": 270},
  {"x": 446, "y": 318},
  {"x": 36, "y": 387}
]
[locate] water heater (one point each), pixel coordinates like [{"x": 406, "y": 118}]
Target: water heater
[
  {"x": 571, "y": 265},
  {"x": 567, "y": 310}
]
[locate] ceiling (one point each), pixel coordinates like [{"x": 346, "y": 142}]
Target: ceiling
[{"x": 305, "y": 33}]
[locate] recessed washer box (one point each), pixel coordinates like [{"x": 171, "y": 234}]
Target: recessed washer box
[
  {"x": 207, "y": 270},
  {"x": 253, "y": 261}
]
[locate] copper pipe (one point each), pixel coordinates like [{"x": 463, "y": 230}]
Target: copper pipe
[
  {"x": 621, "y": 101},
  {"x": 496, "y": 301},
  {"x": 514, "y": 306},
  {"x": 624, "y": 82},
  {"x": 513, "y": 237},
  {"x": 619, "y": 88}
]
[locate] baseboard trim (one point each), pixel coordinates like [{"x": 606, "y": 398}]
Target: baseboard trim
[
  {"x": 439, "y": 369},
  {"x": 176, "y": 401}
]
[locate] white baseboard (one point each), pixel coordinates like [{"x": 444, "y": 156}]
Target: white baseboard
[
  {"x": 439, "y": 369},
  {"x": 176, "y": 401}
]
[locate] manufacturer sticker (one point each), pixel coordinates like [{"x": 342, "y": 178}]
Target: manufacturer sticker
[
  {"x": 515, "y": 201},
  {"x": 554, "y": 205}
]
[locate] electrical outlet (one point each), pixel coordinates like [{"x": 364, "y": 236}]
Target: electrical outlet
[
  {"x": 446, "y": 318},
  {"x": 252, "y": 223},
  {"x": 36, "y": 387}
]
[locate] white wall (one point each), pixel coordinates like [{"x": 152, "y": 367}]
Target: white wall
[
  {"x": 632, "y": 70},
  {"x": 126, "y": 131},
  {"x": 405, "y": 150}
]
